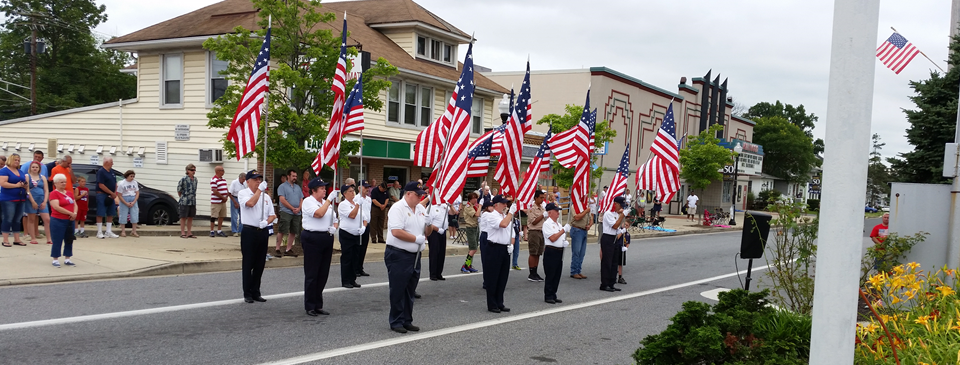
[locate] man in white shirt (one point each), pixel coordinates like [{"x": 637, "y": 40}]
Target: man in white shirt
[
  {"x": 555, "y": 239},
  {"x": 319, "y": 225},
  {"x": 496, "y": 255},
  {"x": 256, "y": 212},
  {"x": 351, "y": 229},
  {"x": 234, "y": 189},
  {"x": 406, "y": 238},
  {"x": 366, "y": 205},
  {"x": 437, "y": 239},
  {"x": 692, "y": 200},
  {"x": 612, "y": 222}
]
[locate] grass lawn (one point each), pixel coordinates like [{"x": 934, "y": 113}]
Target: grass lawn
[{"x": 873, "y": 215}]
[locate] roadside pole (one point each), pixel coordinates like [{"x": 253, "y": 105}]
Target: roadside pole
[
  {"x": 953, "y": 235},
  {"x": 849, "y": 104}
]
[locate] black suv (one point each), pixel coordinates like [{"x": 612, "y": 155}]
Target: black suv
[{"x": 156, "y": 206}]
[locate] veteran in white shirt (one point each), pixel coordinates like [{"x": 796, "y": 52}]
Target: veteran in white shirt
[
  {"x": 256, "y": 212},
  {"x": 319, "y": 226},
  {"x": 406, "y": 238},
  {"x": 351, "y": 229},
  {"x": 609, "y": 249},
  {"x": 437, "y": 225},
  {"x": 555, "y": 240},
  {"x": 366, "y": 204},
  {"x": 496, "y": 255}
]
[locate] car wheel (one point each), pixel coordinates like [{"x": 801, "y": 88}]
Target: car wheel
[{"x": 160, "y": 215}]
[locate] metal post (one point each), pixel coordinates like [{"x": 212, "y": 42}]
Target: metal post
[
  {"x": 746, "y": 284},
  {"x": 33, "y": 70},
  {"x": 733, "y": 197},
  {"x": 849, "y": 106},
  {"x": 953, "y": 235}
]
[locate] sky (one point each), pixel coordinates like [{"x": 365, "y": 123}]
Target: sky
[{"x": 769, "y": 50}]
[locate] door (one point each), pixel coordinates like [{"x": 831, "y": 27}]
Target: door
[{"x": 396, "y": 172}]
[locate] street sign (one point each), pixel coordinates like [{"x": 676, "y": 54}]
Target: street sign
[
  {"x": 603, "y": 150},
  {"x": 181, "y": 132}
]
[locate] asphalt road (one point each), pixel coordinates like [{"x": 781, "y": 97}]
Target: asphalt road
[{"x": 39, "y": 324}]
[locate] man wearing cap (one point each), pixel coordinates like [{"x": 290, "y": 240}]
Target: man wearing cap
[
  {"x": 363, "y": 199},
  {"x": 378, "y": 212},
  {"x": 555, "y": 239},
  {"x": 437, "y": 239},
  {"x": 319, "y": 225},
  {"x": 471, "y": 215},
  {"x": 351, "y": 228},
  {"x": 580, "y": 226},
  {"x": 535, "y": 235},
  {"x": 609, "y": 250},
  {"x": 406, "y": 238},
  {"x": 496, "y": 256},
  {"x": 256, "y": 212}
]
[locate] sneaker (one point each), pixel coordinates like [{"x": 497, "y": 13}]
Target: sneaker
[
  {"x": 517, "y": 267},
  {"x": 69, "y": 263},
  {"x": 621, "y": 281},
  {"x": 537, "y": 276},
  {"x": 236, "y": 234},
  {"x": 56, "y": 264},
  {"x": 464, "y": 269},
  {"x": 100, "y": 234},
  {"x": 109, "y": 234},
  {"x": 221, "y": 234},
  {"x": 269, "y": 256},
  {"x": 278, "y": 254},
  {"x": 472, "y": 269},
  {"x": 532, "y": 278},
  {"x": 213, "y": 234}
]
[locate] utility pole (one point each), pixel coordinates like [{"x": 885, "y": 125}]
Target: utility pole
[{"x": 33, "y": 68}]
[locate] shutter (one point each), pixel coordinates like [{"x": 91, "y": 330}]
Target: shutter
[{"x": 161, "y": 152}]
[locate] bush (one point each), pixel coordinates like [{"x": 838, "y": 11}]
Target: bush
[
  {"x": 751, "y": 200},
  {"x": 768, "y": 197},
  {"x": 793, "y": 236},
  {"x": 740, "y": 329},
  {"x": 813, "y": 205},
  {"x": 883, "y": 257}
]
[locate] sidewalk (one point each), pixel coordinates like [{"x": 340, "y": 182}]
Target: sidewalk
[{"x": 161, "y": 251}]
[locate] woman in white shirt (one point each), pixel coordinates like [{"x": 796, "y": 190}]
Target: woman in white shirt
[
  {"x": 351, "y": 228},
  {"x": 129, "y": 191},
  {"x": 496, "y": 257},
  {"x": 554, "y": 239},
  {"x": 319, "y": 225},
  {"x": 366, "y": 203},
  {"x": 609, "y": 250}
]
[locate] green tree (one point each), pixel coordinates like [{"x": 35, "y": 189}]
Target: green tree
[
  {"x": 559, "y": 123},
  {"x": 795, "y": 115},
  {"x": 703, "y": 158},
  {"x": 932, "y": 123},
  {"x": 73, "y": 72},
  {"x": 878, "y": 174},
  {"x": 788, "y": 152},
  {"x": 300, "y": 101}
]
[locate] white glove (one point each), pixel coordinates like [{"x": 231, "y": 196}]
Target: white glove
[
  {"x": 509, "y": 249},
  {"x": 513, "y": 208},
  {"x": 621, "y": 231},
  {"x": 423, "y": 246},
  {"x": 331, "y": 197},
  {"x": 363, "y": 229},
  {"x": 624, "y": 248},
  {"x": 521, "y": 234},
  {"x": 263, "y": 224},
  {"x": 421, "y": 239},
  {"x": 566, "y": 228},
  {"x": 263, "y": 186},
  {"x": 441, "y": 230},
  {"x": 565, "y": 242},
  {"x": 360, "y": 230},
  {"x": 332, "y": 230}
]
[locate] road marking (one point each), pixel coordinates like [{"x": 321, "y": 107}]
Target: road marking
[
  {"x": 493, "y": 322},
  {"x": 140, "y": 312},
  {"x": 714, "y": 294}
]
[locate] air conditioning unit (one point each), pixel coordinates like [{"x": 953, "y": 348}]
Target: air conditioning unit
[{"x": 211, "y": 155}]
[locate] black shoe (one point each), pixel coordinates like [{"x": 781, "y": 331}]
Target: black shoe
[
  {"x": 363, "y": 273},
  {"x": 398, "y": 329},
  {"x": 289, "y": 253},
  {"x": 441, "y": 278},
  {"x": 259, "y": 299},
  {"x": 433, "y": 279},
  {"x": 410, "y": 327},
  {"x": 416, "y": 295},
  {"x": 355, "y": 285},
  {"x": 558, "y": 300},
  {"x": 248, "y": 299},
  {"x": 615, "y": 288},
  {"x": 494, "y": 310},
  {"x": 531, "y": 278},
  {"x": 348, "y": 286},
  {"x": 323, "y": 312},
  {"x": 607, "y": 288},
  {"x": 537, "y": 276},
  {"x": 312, "y": 313},
  {"x": 504, "y": 309},
  {"x": 551, "y": 301}
]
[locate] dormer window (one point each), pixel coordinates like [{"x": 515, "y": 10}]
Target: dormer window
[{"x": 436, "y": 50}]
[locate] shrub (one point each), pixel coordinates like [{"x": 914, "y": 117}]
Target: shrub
[
  {"x": 883, "y": 257},
  {"x": 751, "y": 200},
  {"x": 768, "y": 197},
  {"x": 813, "y": 205},
  {"x": 791, "y": 258}
]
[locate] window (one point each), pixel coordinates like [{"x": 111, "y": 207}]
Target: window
[
  {"x": 477, "y": 115},
  {"x": 447, "y": 53},
  {"x": 421, "y": 46},
  {"x": 435, "y": 46},
  {"x": 172, "y": 80},
  {"x": 436, "y": 50},
  {"x": 413, "y": 108},
  {"x": 218, "y": 78}
]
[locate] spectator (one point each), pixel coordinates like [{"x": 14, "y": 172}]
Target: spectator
[
  {"x": 879, "y": 232},
  {"x": 291, "y": 196},
  {"x": 38, "y": 198},
  {"x": 187, "y": 190},
  {"x": 64, "y": 212},
  {"x": 235, "y": 187},
  {"x": 692, "y": 200},
  {"x": 129, "y": 191},
  {"x": 12, "y": 196},
  {"x": 106, "y": 194},
  {"x": 38, "y": 157},
  {"x": 65, "y": 168},
  {"x": 378, "y": 213},
  {"x": 83, "y": 205},
  {"x": 305, "y": 186},
  {"x": 219, "y": 195},
  {"x": 283, "y": 179}
]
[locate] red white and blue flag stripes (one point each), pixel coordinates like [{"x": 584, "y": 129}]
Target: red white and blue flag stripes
[
  {"x": 246, "y": 121},
  {"x": 540, "y": 163},
  {"x": 619, "y": 184},
  {"x": 507, "y": 173},
  {"x": 330, "y": 150},
  {"x": 453, "y": 171},
  {"x": 662, "y": 172}
]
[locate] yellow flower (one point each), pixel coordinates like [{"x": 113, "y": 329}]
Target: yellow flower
[
  {"x": 945, "y": 290},
  {"x": 894, "y": 300},
  {"x": 877, "y": 281},
  {"x": 921, "y": 320},
  {"x": 913, "y": 265},
  {"x": 898, "y": 270}
]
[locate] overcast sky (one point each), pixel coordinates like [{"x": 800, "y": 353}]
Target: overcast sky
[{"x": 770, "y": 50}]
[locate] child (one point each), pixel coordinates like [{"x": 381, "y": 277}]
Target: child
[
  {"x": 129, "y": 191},
  {"x": 83, "y": 200}
]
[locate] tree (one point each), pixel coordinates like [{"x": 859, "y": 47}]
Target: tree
[
  {"x": 878, "y": 174},
  {"x": 299, "y": 101},
  {"x": 703, "y": 158},
  {"x": 796, "y": 115},
  {"x": 559, "y": 123},
  {"x": 788, "y": 152},
  {"x": 932, "y": 123},
  {"x": 73, "y": 72}
]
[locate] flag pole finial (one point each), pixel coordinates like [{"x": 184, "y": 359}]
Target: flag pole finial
[
  {"x": 270, "y": 21},
  {"x": 894, "y": 30},
  {"x": 344, "y": 15}
]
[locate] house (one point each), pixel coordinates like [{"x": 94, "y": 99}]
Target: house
[{"x": 165, "y": 127}]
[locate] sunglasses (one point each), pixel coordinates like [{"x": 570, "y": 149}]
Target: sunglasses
[{"x": 192, "y": 170}]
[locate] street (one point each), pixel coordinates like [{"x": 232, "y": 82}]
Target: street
[{"x": 201, "y": 319}]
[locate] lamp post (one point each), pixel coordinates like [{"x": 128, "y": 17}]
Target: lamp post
[
  {"x": 504, "y": 108},
  {"x": 736, "y": 174}
]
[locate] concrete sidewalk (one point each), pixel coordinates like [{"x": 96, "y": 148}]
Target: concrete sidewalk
[{"x": 161, "y": 251}]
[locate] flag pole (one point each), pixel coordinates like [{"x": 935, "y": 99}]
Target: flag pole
[
  {"x": 266, "y": 114},
  {"x": 924, "y": 54}
]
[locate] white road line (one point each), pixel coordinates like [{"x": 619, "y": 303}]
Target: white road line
[
  {"x": 140, "y": 312},
  {"x": 493, "y": 322}
]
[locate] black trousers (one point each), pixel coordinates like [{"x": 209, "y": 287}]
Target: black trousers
[
  {"x": 609, "y": 260},
  {"x": 438, "y": 250},
  {"x": 253, "y": 247},
  {"x": 362, "y": 250},
  {"x": 377, "y": 223},
  {"x": 317, "y": 253},
  {"x": 403, "y": 274},
  {"x": 552, "y": 269},
  {"x": 349, "y": 248},
  {"x": 496, "y": 271}
]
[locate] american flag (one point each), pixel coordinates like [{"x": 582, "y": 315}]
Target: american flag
[
  {"x": 246, "y": 122},
  {"x": 330, "y": 150},
  {"x": 570, "y": 146},
  {"x": 580, "y": 190},
  {"x": 507, "y": 173},
  {"x": 428, "y": 150},
  {"x": 479, "y": 158},
  {"x": 540, "y": 163},
  {"x": 496, "y": 136},
  {"x": 453, "y": 173},
  {"x": 353, "y": 110},
  {"x": 662, "y": 172},
  {"x": 896, "y": 52},
  {"x": 619, "y": 183}
]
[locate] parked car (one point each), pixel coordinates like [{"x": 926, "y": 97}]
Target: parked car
[
  {"x": 870, "y": 209},
  {"x": 156, "y": 206}
]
